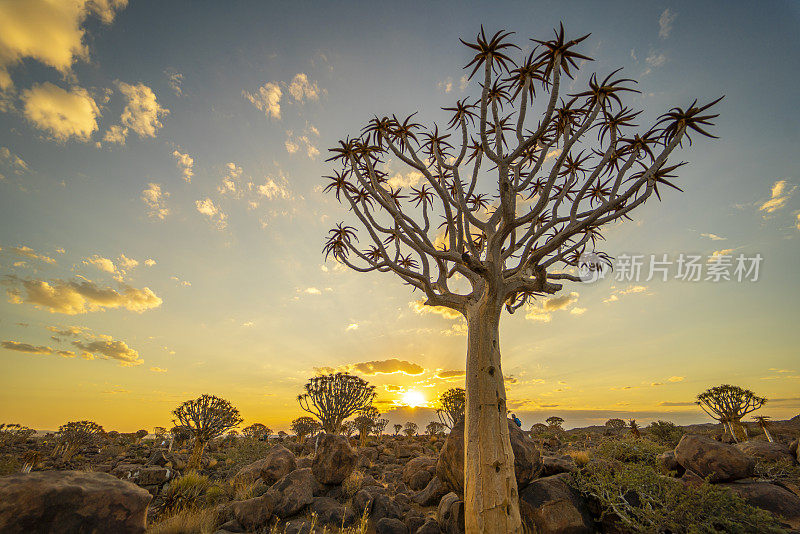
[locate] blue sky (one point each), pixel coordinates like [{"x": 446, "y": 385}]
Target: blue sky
[{"x": 237, "y": 299}]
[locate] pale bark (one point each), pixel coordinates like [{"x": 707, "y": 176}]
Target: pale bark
[{"x": 491, "y": 501}]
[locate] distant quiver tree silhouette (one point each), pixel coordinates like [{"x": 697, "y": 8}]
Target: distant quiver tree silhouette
[
  {"x": 451, "y": 406},
  {"x": 206, "y": 418},
  {"x": 332, "y": 398}
]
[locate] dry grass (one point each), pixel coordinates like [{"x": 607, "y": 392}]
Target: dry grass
[
  {"x": 352, "y": 484},
  {"x": 581, "y": 458},
  {"x": 188, "y": 521}
]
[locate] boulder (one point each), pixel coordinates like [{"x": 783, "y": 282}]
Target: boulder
[
  {"x": 389, "y": 525},
  {"x": 765, "y": 450},
  {"x": 254, "y": 513},
  {"x": 551, "y": 505},
  {"x": 431, "y": 526},
  {"x": 770, "y": 497},
  {"x": 278, "y": 463},
  {"x": 450, "y": 467},
  {"x": 432, "y": 493},
  {"x": 71, "y": 501},
  {"x": 667, "y": 462},
  {"x": 335, "y": 459},
  {"x": 419, "y": 471},
  {"x": 330, "y": 512},
  {"x": 553, "y": 465},
  {"x": 450, "y": 514},
  {"x": 294, "y": 492},
  {"x": 716, "y": 461},
  {"x": 159, "y": 458}
]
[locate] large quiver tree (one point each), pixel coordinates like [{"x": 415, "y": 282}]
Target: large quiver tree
[
  {"x": 729, "y": 404},
  {"x": 506, "y": 206},
  {"x": 332, "y": 398},
  {"x": 206, "y": 418}
]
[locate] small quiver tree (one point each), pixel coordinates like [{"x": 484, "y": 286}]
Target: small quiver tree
[
  {"x": 365, "y": 423},
  {"x": 451, "y": 406},
  {"x": 303, "y": 427},
  {"x": 554, "y": 422},
  {"x": 435, "y": 428},
  {"x": 332, "y": 398},
  {"x": 397, "y": 428},
  {"x": 410, "y": 429},
  {"x": 634, "y": 426},
  {"x": 348, "y": 428},
  {"x": 206, "y": 417},
  {"x": 255, "y": 432},
  {"x": 379, "y": 427},
  {"x": 763, "y": 423},
  {"x": 615, "y": 425},
  {"x": 14, "y": 434},
  {"x": 729, "y": 404},
  {"x": 76, "y": 435}
]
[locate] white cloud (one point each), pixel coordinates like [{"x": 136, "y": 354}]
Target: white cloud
[
  {"x": 714, "y": 237},
  {"x": 12, "y": 161},
  {"x": 351, "y": 327},
  {"x": 408, "y": 179},
  {"x": 214, "y": 214},
  {"x": 155, "y": 199},
  {"x": 420, "y": 307},
  {"x": 632, "y": 289},
  {"x": 543, "y": 313},
  {"x": 186, "y": 164},
  {"x": 142, "y": 112},
  {"x": 158, "y": 369},
  {"x": 779, "y": 196},
  {"x": 149, "y": 262},
  {"x": 301, "y": 89},
  {"x": 665, "y": 22},
  {"x": 293, "y": 143},
  {"x": 655, "y": 59},
  {"x": 48, "y": 31},
  {"x": 116, "y": 134},
  {"x": 63, "y": 113},
  {"x": 267, "y": 99},
  {"x": 27, "y": 252},
  {"x": 175, "y": 82}
]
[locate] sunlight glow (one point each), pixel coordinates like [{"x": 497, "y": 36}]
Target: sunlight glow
[{"x": 414, "y": 399}]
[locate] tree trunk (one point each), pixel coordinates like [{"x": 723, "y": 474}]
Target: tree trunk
[
  {"x": 196, "y": 457},
  {"x": 491, "y": 500}
]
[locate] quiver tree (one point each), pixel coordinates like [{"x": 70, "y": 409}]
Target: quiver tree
[
  {"x": 365, "y": 423},
  {"x": 763, "y": 423},
  {"x": 348, "y": 428},
  {"x": 139, "y": 435},
  {"x": 728, "y": 404},
  {"x": 206, "y": 418},
  {"x": 180, "y": 435},
  {"x": 451, "y": 406},
  {"x": 397, "y": 428},
  {"x": 538, "y": 429},
  {"x": 379, "y": 427},
  {"x": 303, "y": 427},
  {"x": 14, "y": 434},
  {"x": 634, "y": 426},
  {"x": 410, "y": 429},
  {"x": 334, "y": 397},
  {"x": 554, "y": 422},
  {"x": 76, "y": 435},
  {"x": 435, "y": 428},
  {"x": 256, "y": 431},
  {"x": 615, "y": 424},
  {"x": 507, "y": 204},
  {"x": 160, "y": 433}
]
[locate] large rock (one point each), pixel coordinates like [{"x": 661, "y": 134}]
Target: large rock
[
  {"x": 432, "y": 493},
  {"x": 554, "y": 465},
  {"x": 330, "y": 512},
  {"x": 418, "y": 472},
  {"x": 775, "y": 499},
  {"x": 278, "y": 463},
  {"x": 450, "y": 514},
  {"x": 335, "y": 459},
  {"x": 551, "y": 505},
  {"x": 389, "y": 525},
  {"x": 766, "y": 451},
  {"x": 71, "y": 501},
  {"x": 142, "y": 475},
  {"x": 450, "y": 467},
  {"x": 374, "y": 501},
  {"x": 254, "y": 513},
  {"x": 294, "y": 492},
  {"x": 718, "y": 462}
]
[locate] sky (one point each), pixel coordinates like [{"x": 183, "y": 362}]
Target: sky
[{"x": 162, "y": 215}]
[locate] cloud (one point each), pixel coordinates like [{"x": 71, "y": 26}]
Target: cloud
[
  {"x": 230, "y": 182},
  {"x": 273, "y": 188},
  {"x": 293, "y": 143},
  {"x": 63, "y": 113},
  {"x": 142, "y": 113},
  {"x": 543, "y": 313},
  {"x": 301, "y": 89},
  {"x": 175, "y": 82},
  {"x": 267, "y": 99},
  {"x": 717, "y": 253},
  {"x": 47, "y": 31},
  {"x": 387, "y": 367},
  {"x": 655, "y": 59},
  {"x": 351, "y": 327},
  {"x": 12, "y": 161},
  {"x": 676, "y": 379},
  {"x": 155, "y": 199},
  {"x": 447, "y": 375},
  {"x": 108, "y": 349},
  {"x": 714, "y": 237},
  {"x": 420, "y": 307},
  {"x": 185, "y": 164},
  {"x": 214, "y": 214},
  {"x": 313, "y": 291},
  {"x": 158, "y": 369},
  {"x": 76, "y": 297},
  {"x": 409, "y": 179},
  {"x": 633, "y": 289},
  {"x": 25, "y": 347},
  {"x": 149, "y": 262},
  {"x": 665, "y": 23},
  {"x": 780, "y": 193},
  {"x": 27, "y": 252},
  {"x": 68, "y": 331},
  {"x": 667, "y": 403}
]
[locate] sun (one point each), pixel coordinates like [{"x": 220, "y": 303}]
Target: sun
[{"x": 414, "y": 399}]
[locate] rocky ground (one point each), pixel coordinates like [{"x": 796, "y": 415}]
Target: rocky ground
[{"x": 582, "y": 480}]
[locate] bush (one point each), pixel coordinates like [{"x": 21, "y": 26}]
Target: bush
[
  {"x": 630, "y": 450},
  {"x": 665, "y": 432},
  {"x": 352, "y": 484},
  {"x": 644, "y": 501},
  {"x": 189, "y": 521},
  {"x": 186, "y": 492}
]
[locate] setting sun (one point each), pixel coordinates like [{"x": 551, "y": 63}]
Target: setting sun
[{"x": 414, "y": 399}]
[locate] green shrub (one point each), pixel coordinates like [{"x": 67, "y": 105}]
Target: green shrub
[
  {"x": 644, "y": 501},
  {"x": 665, "y": 432},
  {"x": 630, "y": 450}
]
